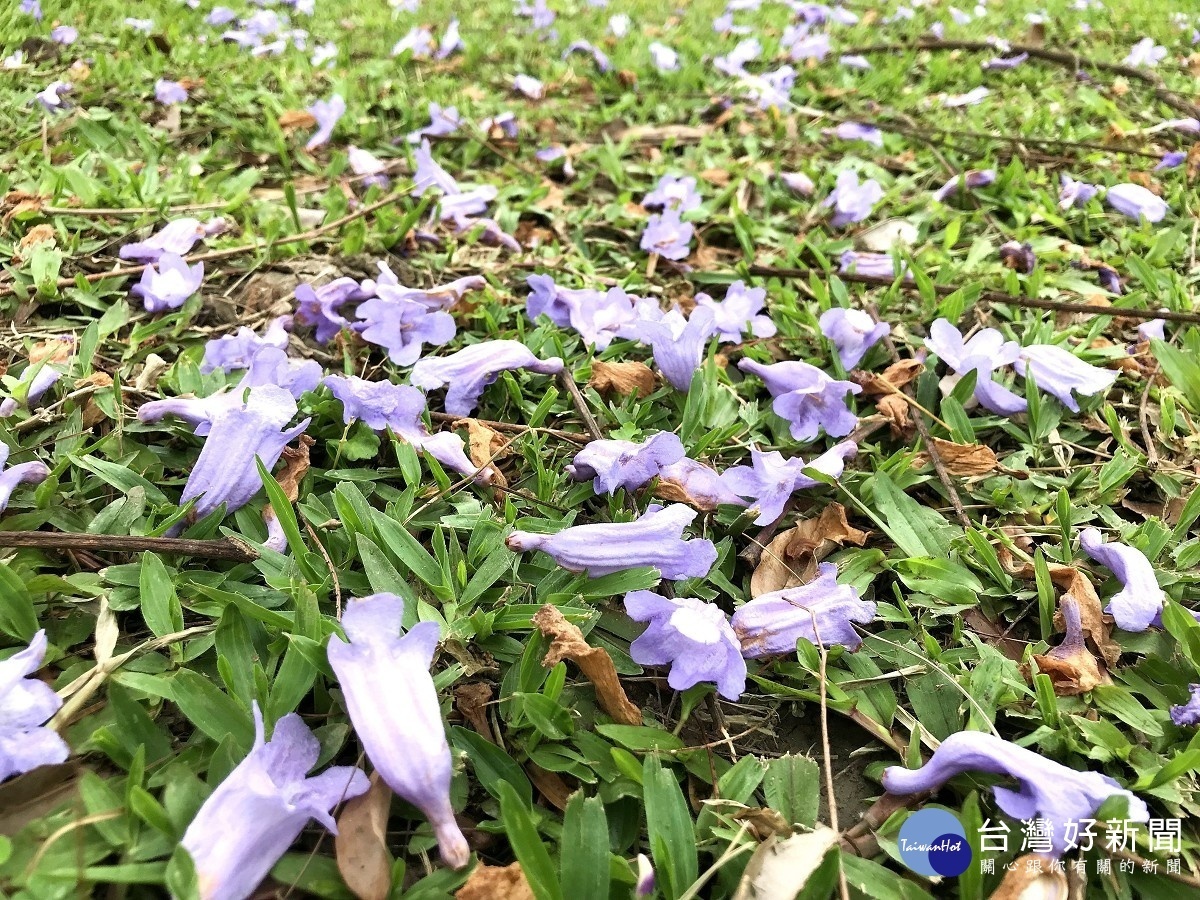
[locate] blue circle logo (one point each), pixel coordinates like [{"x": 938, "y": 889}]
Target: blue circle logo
[{"x": 933, "y": 842}]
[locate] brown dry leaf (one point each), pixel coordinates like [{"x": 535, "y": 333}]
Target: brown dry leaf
[
  {"x": 891, "y": 379},
  {"x": 623, "y": 378},
  {"x": 1193, "y": 159},
  {"x": 1120, "y": 87},
  {"x": 961, "y": 459},
  {"x": 485, "y": 447},
  {"x": 296, "y": 118},
  {"x": 550, "y": 785},
  {"x": 1193, "y": 64},
  {"x": 496, "y": 883},
  {"x": 764, "y": 822},
  {"x": 791, "y": 558},
  {"x": 1032, "y": 878},
  {"x": 361, "y": 843},
  {"x": 993, "y": 634},
  {"x": 38, "y": 234},
  {"x": 657, "y": 134},
  {"x": 1168, "y": 511},
  {"x": 1072, "y": 668},
  {"x": 627, "y": 77},
  {"x": 1146, "y": 181},
  {"x": 80, "y": 71},
  {"x": 53, "y": 350},
  {"x": 894, "y": 408},
  {"x": 472, "y": 701},
  {"x": 21, "y": 203},
  {"x": 92, "y": 414},
  {"x": 566, "y": 642},
  {"x": 295, "y": 467},
  {"x": 719, "y": 177}
]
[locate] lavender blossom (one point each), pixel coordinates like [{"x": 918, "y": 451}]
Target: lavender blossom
[
  {"x": 486, "y": 231},
  {"x": 798, "y": 183},
  {"x": 502, "y": 126},
  {"x": 855, "y": 61},
  {"x": 418, "y": 42},
  {"x": 1139, "y": 603},
  {"x": 1189, "y": 712},
  {"x": 435, "y": 298},
  {"x": 851, "y": 201},
  {"x": 655, "y": 539},
  {"x": 25, "y": 704},
  {"x": 1062, "y": 374},
  {"x": 665, "y": 59},
  {"x": 1019, "y": 257},
  {"x": 235, "y": 351},
  {"x": 970, "y": 98},
  {"x": 821, "y": 611},
  {"x": 697, "y": 485},
  {"x": 259, "y": 810},
  {"x": 324, "y": 55},
  {"x": 692, "y": 637},
  {"x": 734, "y": 62},
  {"x": 169, "y": 92},
  {"x": 176, "y": 237},
  {"x": 1136, "y": 202},
  {"x": 618, "y": 25},
  {"x": 556, "y": 302},
  {"x": 773, "y": 89},
  {"x": 1153, "y": 330},
  {"x": 1109, "y": 279},
  {"x": 1075, "y": 193},
  {"x": 739, "y": 313},
  {"x": 1146, "y": 53},
  {"x": 1171, "y": 160},
  {"x": 468, "y": 372},
  {"x": 983, "y": 354},
  {"x": 613, "y": 464},
  {"x": 852, "y": 332},
  {"x": 974, "y": 179},
  {"x": 673, "y": 192},
  {"x": 589, "y": 49},
  {"x": 679, "y": 343},
  {"x": 327, "y": 113},
  {"x": 872, "y": 265},
  {"x": 318, "y": 307},
  {"x": 168, "y": 286},
  {"x": 39, "y": 376},
  {"x": 451, "y": 41},
  {"x": 393, "y": 706},
  {"x": 1005, "y": 62},
  {"x": 1046, "y": 789},
  {"x": 32, "y": 8},
  {"x": 145, "y": 26},
  {"x": 529, "y": 86},
  {"x": 645, "y": 878},
  {"x": 811, "y": 46},
  {"x": 64, "y": 34},
  {"x": 403, "y": 326},
  {"x": 668, "y": 235},
  {"x": 771, "y": 479},
  {"x": 366, "y": 164},
  {"x": 270, "y": 365},
  {"x": 51, "y": 97},
  {"x": 856, "y": 131},
  {"x": 807, "y": 398}
]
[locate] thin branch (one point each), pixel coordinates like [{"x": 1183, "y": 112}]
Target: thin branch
[
  {"x": 567, "y": 377},
  {"x": 512, "y": 427},
  {"x": 224, "y": 548}
]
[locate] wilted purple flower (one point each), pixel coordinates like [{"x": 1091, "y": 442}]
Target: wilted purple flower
[
  {"x": 697, "y": 485},
  {"x": 821, "y": 611},
  {"x": 983, "y": 354},
  {"x": 259, "y": 810},
  {"x": 39, "y": 376},
  {"x": 176, "y": 237},
  {"x": 25, "y": 704},
  {"x": 364, "y": 163},
  {"x": 1006, "y": 62},
  {"x": 692, "y": 637},
  {"x": 597, "y": 317},
  {"x": 679, "y": 343},
  {"x": 1135, "y": 201},
  {"x": 487, "y": 231},
  {"x": 807, "y": 398},
  {"x": 319, "y": 307},
  {"x": 270, "y": 365},
  {"x": 1188, "y": 713},
  {"x": 655, "y": 539},
  {"x": 555, "y": 301},
  {"x": 734, "y": 62},
  {"x": 393, "y": 706},
  {"x": 1139, "y": 603},
  {"x": 739, "y": 312},
  {"x": 1109, "y": 279},
  {"x": 1152, "y": 330},
  {"x": 324, "y": 54},
  {"x": 811, "y": 46},
  {"x": 851, "y": 201},
  {"x": 33, "y": 472},
  {"x": 505, "y": 124},
  {"x": 597, "y": 55},
  {"x": 613, "y": 464},
  {"x": 673, "y": 192},
  {"x": 771, "y": 479},
  {"x": 402, "y": 326},
  {"x": 665, "y": 59},
  {"x": 853, "y": 332},
  {"x": 541, "y": 15},
  {"x": 771, "y": 90},
  {"x": 1171, "y": 160},
  {"x": 529, "y": 86},
  {"x": 1188, "y": 125},
  {"x": 168, "y": 286},
  {"x": 64, "y": 34},
  {"x": 168, "y": 92},
  {"x": 51, "y": 98},
  {"x": 1145, "y": 53},
  {"x": 1062, "y": 374},
  {"x": 798, "y": 182},
  {"x": 429, "y": 174},
  {"x": 974, "y": 179},
  {"x": 1047, "y": 790},
  {"x": 451, "y": 41},
  {"x": 327, "y": 113},
  {"x": 1018, "y": 256},
  {"x": 418, "y": 42},
  {"x": 970, "y": 98},
  {"x": 235, "y": 351},
  {"x": 441, "y": 297},
  {"x": 466, "y": 373},
  {"x": 872, "y": 265},
  {"x": 1075, "y": 193},
  {"x": 32, "y": 8},
  {"x": 668, "y": 235}
]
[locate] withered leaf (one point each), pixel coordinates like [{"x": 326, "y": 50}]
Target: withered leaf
[
  {"x": 472, "y": 701},
  {"x": 295, "y": 467},
  {"x": 622, "y": 378},
  {"x": 566, "y": 642},
  {"x": 496, "y": 883},
  {"x": 792, "y": 556},
  {"x": 38, "y": 234},
  {"x": 991, "y": 632},
  {"x": 361, "y": 843},
  {"x": 296, "y": 118},
  {"x": 894, "y": 408},
  {"x": 550, "y": 785},
  {"x": 961, "y": 459},
  {"x": 891, "y": 379},
  {"x": 1071, "y": 666},
  {"x": 485, "y": 446}
]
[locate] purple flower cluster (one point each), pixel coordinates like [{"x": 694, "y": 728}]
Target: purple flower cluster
[{"x": 614, "y": 464}]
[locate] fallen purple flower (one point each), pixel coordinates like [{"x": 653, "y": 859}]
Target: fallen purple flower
[
  {"x": 64, "y": 34},
  {"x": 176, "y": 237},
  {"x": 1139, "y": 603},
  {"x": 798, "y": 182},
  {"x": 645, "y": 878},
  {"x": 807, "y": 398},
  {"x": 32, "y": 8},
  {"x": 739, "y": 312},
  {"x": 673, "y": 192},
  {"x": 697, "y": 485},
  {"x": 1109, "y": 279},
  {"x": 970, "y": 98},
  {"x": 855, "y": 61},
  {"x": 403, "y": 326},
  {"x": 324, "y": 55},
  {"x": 771, "y": 479},
  {"x": 618, "y": 25},
  {"x": 668, "y": 235},
  {"x": 1005, "y": 62},
  {"x": 34, "y": 472},
  {"x": 327, "y": 113},
  {"x": 692, "y": 637},
  {"x": 502, "y": 126},
  {"x": 318, "y": 307},
  {"x": 734, "y": 62},
  {"x": 852, "y": 332},
  {"x": 26, "y": 703},
  {"x": 442, "y": 121},
  {"x": 678, "y": 344},
  {"x": 771, "y": 90},
  {"x": 983, "y": 354},
  {"x": 418, "y": 42},
  {"x": 169, "y": 92},
  {"x": 822, "y": 612},
  {"x": 1062, "y": 374},
  {"x": 365, "y": 164},
  {"x": 168, "y": 286},
  {"x": 1154, "y": 330},
  {"x": 451, "y": 41},
  {"x": 872, "y": 265},
  {"x": 664, "y": 58},
  {"x": 51, "y": 97},
  {"x": 851, "y": 201},
  {"x": 613, "y": 464},
  {"x": 1171, "y": 160},
  {"x": 487, "y": 231},
  {"x": 441, "y": 297},
  {"x": 1136, "y": 202},
  {"x": 976, "y": 178},
  {"x": 855, "y": 131},
  {"x": 1146, "y": 53},
  {"x": 529, "y": 86},
  {"x": 235, "y": 351},
  {"x": 270, "y": 365},
  {"x": 1017, "y": 256},
  {"x": 1189, "y": 712},
  {"x": 589, "y": 49},
  {"x": 468, "y": 372},
  {"x": 811, "y": 46}
]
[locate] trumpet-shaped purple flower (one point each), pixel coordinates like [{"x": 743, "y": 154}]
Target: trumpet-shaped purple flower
[
  {"x": 734, "y": 62},
  {"x": 169, "y": 92},
  {"x": 970, "y": 98},
  {"x": 853, "y": 333},
  {"x": 1136, "y": 202},
  {"x": 319, "y": 307},
  {"x": 504, "y": 125},
  {"x": 613, "y": 464},
  {"x": 1005, "y": 62},
  {"x": 37, "y": 378},
  {"x": 237, "y": 351},
  {"x": 983, "y": 354},
  {"x": 808, "y": 398},
  {"x": 692, "y": 637},
  {"x": 855, "y": 131},
  {"x": 529, "y": 86},
  {"x": 25, "y": 704},
  {"x": 324, "y": 55},
  {"x": 1046, "y": 789},
  {"x": 1139, "y": 603},
  {"x": 697, "y": 485},
  {"x": 810, "y": 46},
  {"x": 673, "y": 192},
  {"x": 558, "y": 303},
  {"x": 872, "y": 265},
  {"x": 645, "y": 878},
  {"x": 1171, "y": 160},
  {"x": 1018, "y": 256},
  {"x": 679, "y": 343},
  {"x": 176, "y": 237},
  {"x": 486, "y": 231},
  {"x": 259, "y": 810},
  {"x": 270, "y": 365},
  {"x": 665, "y": 59},
  {"x": 418, "y": 42},
  {"x": 851, "y": 201},
  {"x": 442, "y": 121},
  {"x": 364, "y": 163},
  {"x": 1109, "y": 279},
  {"x": 442, "y": 297},
  {"x": 403, "y": 326},
  {"x": 32, "y": 8},
  {"x": 798, "y": 183},
  {"x": 586, "y": 47},
  {"x": 64, "y": 34},
  {"x": 51, "y": 97},
  {"x": 451, "y": 41},
  {"x": 1146, "y": 53},
  {"x": 168, "y": 286},
  {"x": 668, "y": 235},
  {"x": 771, "y": 90},
  {"x": 394, "y": 709},
  {"x": 468, "y": 372},
  {"x": 1188, "y": 713},
  {"x": 739, "y": 312},
  {"x": 1075, "y": 193},
  {"x": 771, "y": 479},
  {"x": 821, "y": 611},
  {"x": 974, "y": 179},
  {"x": 655, "y": 539},
  {"x": 1062, "y": 374},
  {"x": 327, "y": 113},
  {"x": 1154, "y": 330}
]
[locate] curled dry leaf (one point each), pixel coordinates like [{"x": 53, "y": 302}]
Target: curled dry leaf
[
  {"x": 550, "y": 785},
  {"x": 1072, "y": 668},
  {"x": 891, "y": 379},
  {"x": 292, "y": 119},
  {"x": 361, "y": 843},
  {"x": 764, "y": 822},
  {"x": 485, "y": 447},
  {"x": 92, "y": 414},
  {"x": 566, "y": 642},
  {"x": 779, "y": 870},
  {"x": 472, "y": 701},
  {"x": 990, "y": 631},
  {"x": 894, "y": 409},
  {"x": 21, "y": 203},
  {"x": 496, "y": 883},
  {"x": 1032, "y": 878},
  {"x": 791, "y": 558},
  {"x": 961, "y": 459},
  {"x": 622, "y": 378},
  {"x": 295, "y": 467},
  {"x": 53, "y": 351},
  {"x": 38, "y": 234}
]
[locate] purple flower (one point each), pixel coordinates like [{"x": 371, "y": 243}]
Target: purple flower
[
  {"x": 323, "y": 54},
  {"x": 32, "y": 8},
  {"x": 1188, "y": 713},
  {"x": 1005, "y": 62},
  {"x": 976, "y": 178},
  {"x": 364, "y": 163},
  {"x": 770, "y": 479},
  {"x": 556, "y": 302},
  {"x": 821, "y": 611},
  {"x": 960, "y": 17},
  {"x": 468, "y": 372},
  {"x": 168, "y": 92},
  {"x": 853, "y": 332},
  {"x": 1109, "y": 279},
  {"x": 773, "y": 89},
  {"x": 327, "y": 113},
  {"x": 855, "y": 61},
  {"x": 1188, "y": 126},
  {"x": 645, "y": 878},
  {"x": 529, "y": 86},
  {"x": 39, "y": 376},
  {"x": 692, "y": 637},
  {"x": 613, "y": 464},
  {"x": 983, "y": 354},
  {"x": 261, "y": 807},
  {"x": 600, "y": 59},
  {"x": 812, "y": 46},
  {"x": 403, "y": 326},
  {"x": 1171, "y": 160},
  {"x": 381, "y": 404},
  {"x": 541, "y": 15},
  {"x": 504, "y": 125},
  {"x": 270, "y": 365},
  {"x": 872, "y": 265},
  {"x": 855, "y": 131},
  {"x": 168, "y": 286},
  {"x": 678, "y": 344},
  {"x": 1139, "y": 603},
  {"x": 145, "y": 26},
  {"x": 1152, "y": 330},
  {"x": 698, "y": 485},
  {"x": 1135, "y": 201},
  {"x": 1062, "y": 374},
  {"x": 851, "y": 201},
  {"x": 442, "y": 297},
  {"x": 319, "y": 307},
  {"x": 1046, "y": 789},
  {"x": 1075, "y": 193},
  {"x": 488, "y": 230},
  {"x": 451, "y": 41},
  {"x": 798, "y": 183},
  {"x": 393, "y": 706},
  {"x": 1145, "y": 53},
  {"x": 668, "y": 235},
  {"x": 64, "y": 34},
  {"x": 807, "y": 398},
  {"x": 418, "y": 42},
  {"x": 430, "y": 175},
  {"x": 665, "y": 59},
  {"x": 739, "y": 313},
  {"x": 734, "y": 63},
  {"x": 25, "y": 704},
  {"x": 1018, "y": 256},
  {"x": 673, "y": 192},
  {"x": 51, "y": 97},
  {"x": 176, "y": 237},
  {"x": 235, "y": 351},
  {"x": 970, "y": 98},
  {"x": 655, "y": 539}
]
